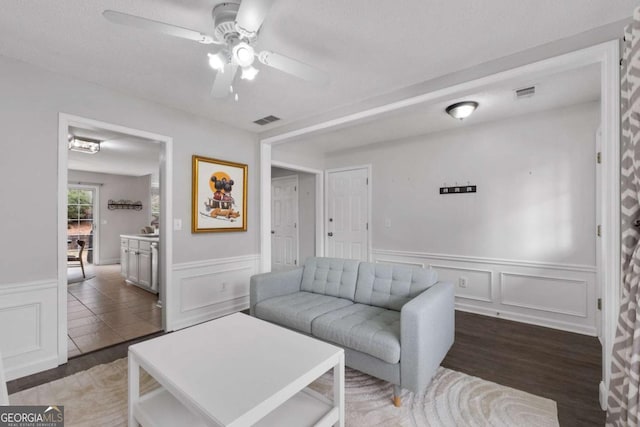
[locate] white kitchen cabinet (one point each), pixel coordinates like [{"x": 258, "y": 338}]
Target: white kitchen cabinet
[
  {"x": 138, "y": 261},
  {"x": 124, "y": 257},
  {"x": 144, "y": 268}
]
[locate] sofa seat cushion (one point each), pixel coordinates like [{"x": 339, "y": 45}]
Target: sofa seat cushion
[
  {"x": 365, "y": 328},
  {"x": 297, "y": 310}
]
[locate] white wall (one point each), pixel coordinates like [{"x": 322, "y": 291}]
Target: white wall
[
  {"x": 525, "y": 241},
  {"x": 298, "y": 155},
  {"x": 113, "y": 223},
  {"x": 306, "y": 211},
  {"x": 30, "y": 103},
  {"x": 535, "y": 178}
]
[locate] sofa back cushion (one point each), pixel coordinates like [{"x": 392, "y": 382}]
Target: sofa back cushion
[
  {"x": 391, "y": 286},
  {"x": 335, "y": 277}
]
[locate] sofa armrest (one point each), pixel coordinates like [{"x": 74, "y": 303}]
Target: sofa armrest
[
  {"x": 269, "y": 285},
  {"x": 427, "y": 328}
]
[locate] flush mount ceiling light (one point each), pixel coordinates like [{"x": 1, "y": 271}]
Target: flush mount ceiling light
[
  {"x": 461, "y": 110},
  {"x": 84, "y": 145}
]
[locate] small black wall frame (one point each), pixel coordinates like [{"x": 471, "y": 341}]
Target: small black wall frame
[{"x": 459, "y": 189}]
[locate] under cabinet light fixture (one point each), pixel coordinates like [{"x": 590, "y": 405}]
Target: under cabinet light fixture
[{"x": 84, "y": 145}]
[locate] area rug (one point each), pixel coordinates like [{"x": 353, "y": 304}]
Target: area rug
[{"x": 98, "y": 397}]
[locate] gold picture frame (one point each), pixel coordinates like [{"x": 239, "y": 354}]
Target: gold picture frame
[{"x": 218, "y": 195}]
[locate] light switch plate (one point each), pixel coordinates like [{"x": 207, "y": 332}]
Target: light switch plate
[{"x": 177, "y": 224}]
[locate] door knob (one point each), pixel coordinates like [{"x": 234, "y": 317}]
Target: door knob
[
  {"x": 273, "y": 232},
  {"x": 330, "y": 234}
]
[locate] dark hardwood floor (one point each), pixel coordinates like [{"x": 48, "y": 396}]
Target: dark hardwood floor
[{"x": 558, "y": 365}]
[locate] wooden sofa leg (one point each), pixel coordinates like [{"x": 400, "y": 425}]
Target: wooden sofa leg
[{"x": 397, "y": 401}]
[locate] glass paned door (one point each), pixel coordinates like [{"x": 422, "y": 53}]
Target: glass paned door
[{"x": 80, "y": 224}]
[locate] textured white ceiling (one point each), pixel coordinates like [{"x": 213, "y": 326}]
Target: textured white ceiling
[
  {"x": 497, "y": 102},
  {"x": 368, "y": 47}
]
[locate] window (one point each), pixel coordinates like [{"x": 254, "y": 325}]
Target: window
[
  {"x": 80, "y": 220},
  {"x": 155, "y": 206}
]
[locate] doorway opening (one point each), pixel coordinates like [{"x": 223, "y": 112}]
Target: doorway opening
[
  {"x": 296, "y": 215},
  {"x": 113, "y": 232}
]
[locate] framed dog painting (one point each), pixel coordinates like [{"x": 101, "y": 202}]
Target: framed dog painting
[{"x": 219, "y": 195}]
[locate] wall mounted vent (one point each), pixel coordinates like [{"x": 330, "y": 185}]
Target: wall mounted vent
[
  {"x": 525, "y": 92},
  {"x": 266, "y": 120}
]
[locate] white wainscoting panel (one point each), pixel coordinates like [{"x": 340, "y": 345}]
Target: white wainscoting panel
[
  {"x": 555, "y": 295},
  {"x": 478, "y": 281},
  {"x": 204, "y": 290},
  {"x": 29, "y": 327}
]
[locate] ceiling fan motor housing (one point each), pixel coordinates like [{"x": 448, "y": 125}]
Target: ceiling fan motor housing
[{"x": 224, "y": 17}]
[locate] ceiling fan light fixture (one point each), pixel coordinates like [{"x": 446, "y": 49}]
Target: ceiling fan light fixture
[
  {"x": 244, "y": 54},
  {"x": 84, "y": 145},
  {"x": 461, "y": 110},
  {"x": 217, "y": 61},
  {"x": 249, "y": 73}
]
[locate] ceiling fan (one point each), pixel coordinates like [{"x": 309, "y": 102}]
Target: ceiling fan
[{"x": 235, "y": 32}]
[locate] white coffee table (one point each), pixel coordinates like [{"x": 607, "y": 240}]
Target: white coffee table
[{"x": 235, "y": 371}]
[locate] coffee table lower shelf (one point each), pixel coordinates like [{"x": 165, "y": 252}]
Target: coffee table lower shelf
[{"x": 159, "y": 408}]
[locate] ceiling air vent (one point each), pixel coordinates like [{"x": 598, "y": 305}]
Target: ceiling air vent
[
  {"x": 266, "y": 120},
  {"x": 525, "y": 92}
]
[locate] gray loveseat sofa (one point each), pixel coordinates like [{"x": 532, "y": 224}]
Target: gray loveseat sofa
[{"x": 394, "y": 322}]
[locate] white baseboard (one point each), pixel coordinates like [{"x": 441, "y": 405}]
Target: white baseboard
[
  {"x": 29, "y": 368},
  {"x": 109, "y": 261},
  {"x": 225, "y": 309},
  {"x": 532, "y": 320},
  {"x": 604, "y": 393}
]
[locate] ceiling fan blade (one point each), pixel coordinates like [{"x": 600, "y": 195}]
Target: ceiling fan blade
[
  {"x": 159, "y": 27},
  {"x": 223, "y": 80},
  {"x": 293, "y": 67},
  {"x": 251, "y": 15}
]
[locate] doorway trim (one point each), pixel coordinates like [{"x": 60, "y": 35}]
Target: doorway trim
[
  {"x": 96, "y": 216},
  {"x": 369, "y": 200},
  {"x": 166, "y": 214},
  {"x": 607, "y": 56}
]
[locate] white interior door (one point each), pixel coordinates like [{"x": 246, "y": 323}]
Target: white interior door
[
  {"x": 348, "y": 213},
  {"x": 284, "y": 222}
]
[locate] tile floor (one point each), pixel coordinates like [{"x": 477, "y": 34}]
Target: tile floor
[{"x": 104, "y": 311}]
